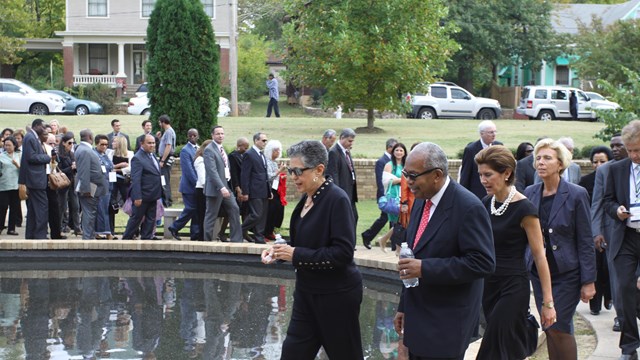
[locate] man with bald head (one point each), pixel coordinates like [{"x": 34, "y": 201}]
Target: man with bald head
[
  {"x": 188, "y": 188},
  {"x": 90, "y": 183},
  {"x": 146, "y": 189},
  {"x": 450, "y": 233}
]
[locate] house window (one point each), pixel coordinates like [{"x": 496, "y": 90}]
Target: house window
[
  {"x": 209, "y": 8},
  {"x": 562, "y": 75},
  {"x": 147, "y": 7},
  {"x": 97, "y": 8},
  {"x": 98, "y": 59}
]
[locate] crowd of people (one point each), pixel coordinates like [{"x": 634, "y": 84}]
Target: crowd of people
[{"x": 509, "y": 221}]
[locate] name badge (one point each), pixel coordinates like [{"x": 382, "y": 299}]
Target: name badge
[
  {"x": 634, "y": 210},
  {"x": 276, "y": 183},
  {"x": 48, "y": 169},
  {"x": 227, "y": 173},
  {"x": 104, "y": 169},
  {"x": 163, "y": 181},
  {"x": 112, "y": 177}
]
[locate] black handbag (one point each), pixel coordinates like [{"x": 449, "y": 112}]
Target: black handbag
[
  {"x": 531, "y": 341},
  {"x": 397, "y": 236}
]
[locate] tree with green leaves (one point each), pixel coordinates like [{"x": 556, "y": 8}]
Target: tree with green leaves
[
  {"x": 606, "y": 50},
  {"x": 366, "y": 53},
  {"x": 252, "y": 66},
  {"x": 183, "y": 67},
  {"x": 625, "y": 94},
  {"x": 497, "y": 33}
]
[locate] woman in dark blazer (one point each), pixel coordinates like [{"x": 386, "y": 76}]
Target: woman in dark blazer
[
  {"x": 328, "y": 294},
  {"x": 564, "y": 212}
]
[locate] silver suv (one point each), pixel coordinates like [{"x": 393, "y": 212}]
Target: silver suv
[
  {"x": 16, "y": 96},
  {"x": 552, "y": 102},
  {"x": 448, "y": 100}
]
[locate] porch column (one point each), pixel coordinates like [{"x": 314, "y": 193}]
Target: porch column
[
  {"x": 121, "y": 77},
  {"x": 68, "y": 62}
]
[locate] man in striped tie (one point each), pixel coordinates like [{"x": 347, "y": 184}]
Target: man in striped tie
[{"x": 451, "y": 237}]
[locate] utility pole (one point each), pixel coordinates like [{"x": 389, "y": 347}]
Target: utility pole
[{"x": 233, "y": 56}]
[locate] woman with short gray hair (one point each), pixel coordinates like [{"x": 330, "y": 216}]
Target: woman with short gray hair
[{"x": 328, "y": 284}]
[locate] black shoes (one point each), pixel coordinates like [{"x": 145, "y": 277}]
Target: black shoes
[
  {"x": 616, "y": 325},
  {"x": 12, "y": 232},
  {"x": 595, "y": 312},
  {"x": 366, "y": 242},
  {"x": 174, "y": 233},
  {"x": 633, "y": 356}
]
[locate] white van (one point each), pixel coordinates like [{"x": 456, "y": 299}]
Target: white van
[{"x": 552, "y": 102}]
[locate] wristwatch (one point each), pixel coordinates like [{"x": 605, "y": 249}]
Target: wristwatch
[{"x": 548, "y": 305}]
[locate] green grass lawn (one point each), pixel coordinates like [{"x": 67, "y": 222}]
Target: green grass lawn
[{"x": 451, "y": 135}]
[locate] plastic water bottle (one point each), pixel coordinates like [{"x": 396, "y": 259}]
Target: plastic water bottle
[
  {"x": 406, "y": 253},
  {"x": 279, "y": 240}
]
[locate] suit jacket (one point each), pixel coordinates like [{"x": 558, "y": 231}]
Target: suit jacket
[
  {"x": 89, "y": 171},
  {"x": 253, "y": 177},
  {"x": 569, "y": 229},
  {"x": 457, "y": 252},
  {"x": 617, "y": 193},
  {"x": 601, "y": 224},
  {"x": 141, "y": 138},
  {"x": 235, "y": 167},
  {"x": 111, "y": 135},
  {"x": 587, "y": 182},
  {"x": 214, "y": 166},
  {"x": 339, "y": 171},
  {"x": 572, "y": 173},
  {"x": 525, "y": 173},
  {"x": 380, "y": 164},
  {"x": 33, "y": 165},
  {"x": 189, "y": 175},
  {"x": 469, "y": 170},
  {"x": 146, "y": 183}
]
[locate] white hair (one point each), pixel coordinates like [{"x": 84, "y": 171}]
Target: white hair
[
  {"x": 272, "y": 145},
  {"x": 484, "y": 125}
]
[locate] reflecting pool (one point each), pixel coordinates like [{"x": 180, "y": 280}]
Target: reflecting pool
[{"x": 209, "y": 311}]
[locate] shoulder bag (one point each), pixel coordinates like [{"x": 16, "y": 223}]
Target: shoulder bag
[
  {"x": 388, "y": 203},
  {"x": 58, "y": 180}
]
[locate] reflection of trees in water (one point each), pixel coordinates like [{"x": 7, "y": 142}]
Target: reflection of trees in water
[{"x": 204, "y": 317}]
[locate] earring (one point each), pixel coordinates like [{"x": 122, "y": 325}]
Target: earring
[
  {"x": 315, "y": 179},
  {"x": 506, "y": 179}
]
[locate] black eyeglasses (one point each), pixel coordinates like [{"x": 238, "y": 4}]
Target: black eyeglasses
[
  {"x": 297, "y": 171},
  {"x": 264, "y": 140},
  {"x": 413, "y": 177}
]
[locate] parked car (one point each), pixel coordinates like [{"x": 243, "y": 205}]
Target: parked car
[
  {"x": 76, "y": 106},
  {"x": 140, "y": 106},
  {"x": 552, "y": 102},
  {"x": 600, "y": 101},
  {"x": 16, "y": 96},
  {"x": 142, "y": 90},
  {"x": 448, "y": 100}
]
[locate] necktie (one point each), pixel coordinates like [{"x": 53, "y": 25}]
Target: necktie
[
  {"x": 347, "y": 154},
  {"x": 224, "y": 156},
  {"x": 153, "y": 160},
  {"x": 636, "y": 178},
  {"x": 264, "y": 160},
  {"x": 423, "y": 222}
]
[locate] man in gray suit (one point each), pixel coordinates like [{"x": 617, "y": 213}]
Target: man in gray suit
[
  {"x": 572, "y": 173},
  {"x": 91, "y": 183},
  {"x": 217, "y": 189}
]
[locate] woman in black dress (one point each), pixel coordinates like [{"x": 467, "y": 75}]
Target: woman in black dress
[
  {"x": 515, "y": 224},
  {"x": 328, "y": 294}
]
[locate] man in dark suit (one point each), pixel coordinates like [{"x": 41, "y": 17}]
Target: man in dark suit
[
  {"x": 115, "y": 125},
  {"x": 255, "y": 188},
  {"x": 147, "y": 126},
  {"x": 91, "y": 183},
  {"x": 217, "y": 189},
  {"x": 469, "y": 170},
  {"x": 187, "y": 188},
  {"x": 623, "y": 206},
  {"x": 235, "y": 166},
  {"x": 377, "y": 225},
  {"x": 146, "y": 189},
  {"x": 450, "y": 233},
  {"x": 341, "y": 169},
  {"x": 34, "y": 168},
  {"x": 525, "y": 172},
  {"x": 602, "y": 225}
]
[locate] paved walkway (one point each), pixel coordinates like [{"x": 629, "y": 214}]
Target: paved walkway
[{"x": 607, "y": 340}]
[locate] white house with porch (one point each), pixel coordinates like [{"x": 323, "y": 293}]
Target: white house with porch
[{"x": 104, "y": 40}]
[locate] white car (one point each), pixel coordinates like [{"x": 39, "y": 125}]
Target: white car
[
  {"x": 599, "y": 102},
  {"x": 552, "y": 102},
  {"x": 448, "y": 100},
  {"x": 16, "y": 96},
  {"x": 140, "y": 106}
]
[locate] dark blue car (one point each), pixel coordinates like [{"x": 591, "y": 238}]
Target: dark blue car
[{"x": 76, "y": 106}]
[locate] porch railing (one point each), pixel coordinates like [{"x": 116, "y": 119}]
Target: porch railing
[{"x": 94, "y": 79}]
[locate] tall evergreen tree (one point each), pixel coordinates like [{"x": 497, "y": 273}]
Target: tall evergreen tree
[{"x": 183, "y": 66}]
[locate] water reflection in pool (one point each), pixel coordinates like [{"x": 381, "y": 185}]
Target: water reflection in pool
[{"x": 164, "y": 315}]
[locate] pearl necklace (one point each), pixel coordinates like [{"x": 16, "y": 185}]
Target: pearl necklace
[{"x": 505, "y": 205}]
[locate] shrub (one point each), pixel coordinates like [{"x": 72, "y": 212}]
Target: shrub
[{"x": 102, "y": 94}]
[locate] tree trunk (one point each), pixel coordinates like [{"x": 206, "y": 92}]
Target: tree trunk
[
  {"x": 370, "y": 118},
  {"x": 465, "y": 77}
]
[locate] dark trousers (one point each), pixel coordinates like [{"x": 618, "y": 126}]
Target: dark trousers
[
  {"x": 37, "y": 211},
  {"x": 69, "y": 208},
  {"x": 89, "y": 206},
  {"x": 603, "y": 289},
  {"x": 190, "y": 212},
  {"x": 54, "y": 214},
  {"x": 355, "y": 214},
  {"x": 626, "y": 263},
  {"x": 144, "y": 214},
  {"x": 256, "y": 218},
  {"x": 273, "y": 104},
  {"x": 415, "y": 357},
  {"x": 313, "y": 324},
  {"x": 201, "y": 208},
  {"x": 167, "y": 199},
  {"x": 375, "y": 228},
  {"x": 9, "y": 200},
  {"x": 275, "y": 215}
]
